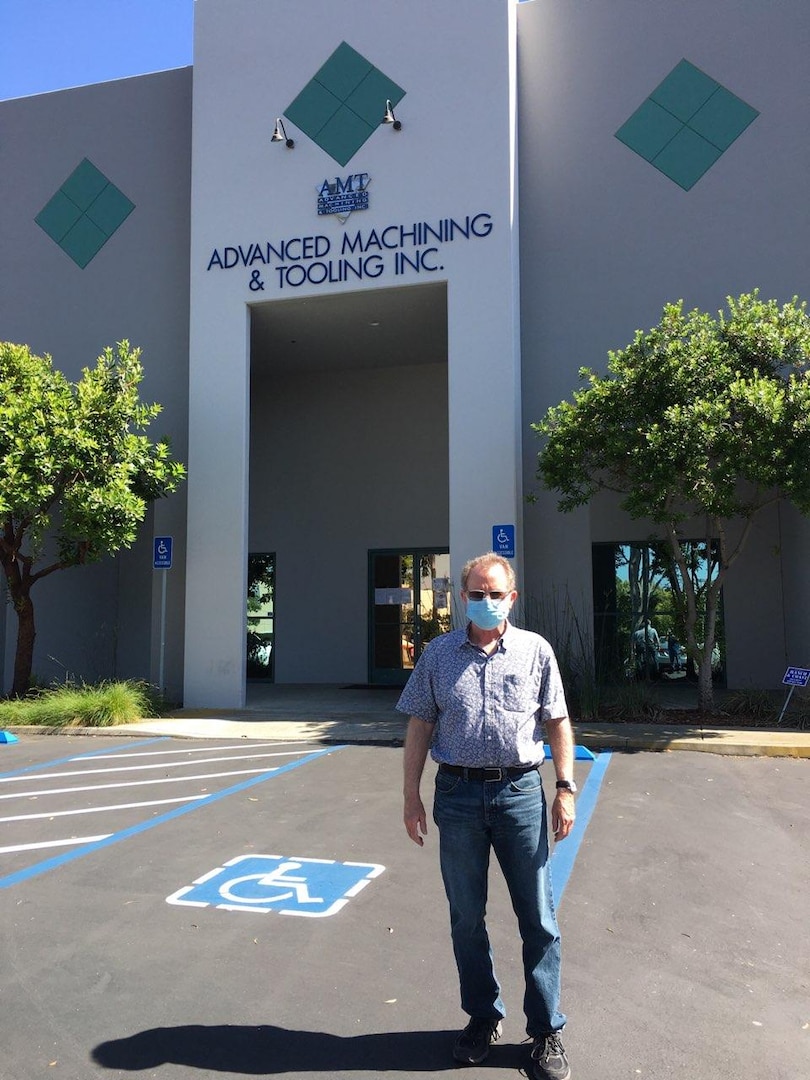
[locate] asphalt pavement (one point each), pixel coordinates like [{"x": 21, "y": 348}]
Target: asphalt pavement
[{"x": 169, "y": 910}]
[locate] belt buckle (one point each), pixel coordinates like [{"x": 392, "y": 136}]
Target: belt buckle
[{"x": 494, "y": 774}]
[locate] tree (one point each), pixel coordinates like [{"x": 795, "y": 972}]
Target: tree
[
  {"x": 701, "y": 417},
  {"x": 76, "y": 472}
]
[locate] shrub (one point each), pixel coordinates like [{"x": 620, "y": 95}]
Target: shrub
[{"x": 103, "y": 705}]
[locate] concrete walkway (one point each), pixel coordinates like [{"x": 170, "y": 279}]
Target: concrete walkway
[{"x": 334, "y": 714}]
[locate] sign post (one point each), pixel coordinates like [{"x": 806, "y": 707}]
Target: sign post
[
  {"x": 794, "y": 676},
  {"x": 162, "y": 560}
]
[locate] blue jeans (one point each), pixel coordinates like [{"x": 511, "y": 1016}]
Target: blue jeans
[{"x": 509, "y": 817}]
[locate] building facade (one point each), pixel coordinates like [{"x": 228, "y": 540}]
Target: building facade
[{"x": 352, "y": 325}]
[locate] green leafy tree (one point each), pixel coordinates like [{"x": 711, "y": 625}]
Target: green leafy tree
[
  {"x": 76, "y": 472},
  {"x": 702, "y": 417}
]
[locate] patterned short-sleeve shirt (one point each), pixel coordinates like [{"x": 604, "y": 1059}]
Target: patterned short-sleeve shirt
[{"x": 488, "y": 710}]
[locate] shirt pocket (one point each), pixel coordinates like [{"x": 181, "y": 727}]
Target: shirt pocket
[{"x": 518, "y": 693}]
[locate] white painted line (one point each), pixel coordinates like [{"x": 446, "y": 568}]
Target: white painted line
[
  {"x": 137, "y": 768},
  {"x": 135, "y": 783},
  {"x": 54, "y": 843},
  {"x": 101, "y": 809},
  {"x": 192, "y": 750}
]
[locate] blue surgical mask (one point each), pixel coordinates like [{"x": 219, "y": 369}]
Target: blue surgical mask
[{"x": 488, "y": 614}]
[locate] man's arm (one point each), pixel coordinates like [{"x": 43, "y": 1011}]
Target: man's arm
[
  {"x": 561, "y": 742},
  {"x": 417, "y": 743}
]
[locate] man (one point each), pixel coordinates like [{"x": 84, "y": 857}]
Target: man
[
  {"x": 646, "y": 643},
  {"x": 476, "y": 699}
]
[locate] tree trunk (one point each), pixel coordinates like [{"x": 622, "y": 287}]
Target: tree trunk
[
  {"x": 24, "y": 656},
  {"x": 705, "y": 685},
  {"x": 19, "y": 589}
]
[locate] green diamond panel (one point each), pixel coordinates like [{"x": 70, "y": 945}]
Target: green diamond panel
[
  {"x": 686, "y": 124},
  {"x": 342, "y": 72},
  {"x": 687, "y": 158},
  {"x": 57, "y": 216},
  {"x": 313, "y": 107},
  {"x": 84, "y": 184},
  {"x": 83, "y": 242},
  {"x": 110, "y": 209},
  {"x": 723, "y": 118},
  {"x": 684, "y": 90},
  {"x": 344, "y": 135},
  {"x": 649, "y": 130},
  {"x": 84, "y": 213},
  {"x": 369, "y": 99},
  {"x": 343, "y": 104}
]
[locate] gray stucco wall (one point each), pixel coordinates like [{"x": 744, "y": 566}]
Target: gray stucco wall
[
  {"x": 101, "y": 620},
  {"x": 342, "y": 462},
  {"x": 607, "y": 240}
]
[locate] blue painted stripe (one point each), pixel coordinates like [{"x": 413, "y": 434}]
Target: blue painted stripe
[
  {"x": 565, "y": 853},
  {"x": 59, "y": 860},
  {"x": 80, "y": 757}
]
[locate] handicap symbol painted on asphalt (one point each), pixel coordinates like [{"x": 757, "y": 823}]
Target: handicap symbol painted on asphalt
[{"x": 289, "y": 885}]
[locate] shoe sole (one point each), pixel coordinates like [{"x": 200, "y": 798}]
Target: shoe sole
[{"x": 531, "y": 1072}]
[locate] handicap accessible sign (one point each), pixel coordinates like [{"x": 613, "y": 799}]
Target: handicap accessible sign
[
  {"x": 503, "y": 540},
  {"x": 288, "y": 885}
]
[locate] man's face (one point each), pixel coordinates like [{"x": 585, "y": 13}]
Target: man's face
[{"x": 491, "y": 580}]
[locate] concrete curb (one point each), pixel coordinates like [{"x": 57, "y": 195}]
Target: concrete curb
[{"x": 390, "y": 731}]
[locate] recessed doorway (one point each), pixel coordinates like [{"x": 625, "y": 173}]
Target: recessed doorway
[{"x": 409, "y": 605}]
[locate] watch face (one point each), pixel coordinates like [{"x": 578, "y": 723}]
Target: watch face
[{"x": 566, "y": 785}]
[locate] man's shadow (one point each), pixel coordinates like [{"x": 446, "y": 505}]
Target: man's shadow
[{"x": 264, "y": 1050}]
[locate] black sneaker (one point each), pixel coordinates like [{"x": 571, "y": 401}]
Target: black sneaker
[
  {"x": 548, "y": 1060},
  {"x": 473, "y": 1044}
]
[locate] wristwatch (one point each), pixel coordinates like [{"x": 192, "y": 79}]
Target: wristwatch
[{"x": 567, "y": 785}]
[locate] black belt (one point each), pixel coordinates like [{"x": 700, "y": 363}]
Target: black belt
[{"x": 494, "y": 773}]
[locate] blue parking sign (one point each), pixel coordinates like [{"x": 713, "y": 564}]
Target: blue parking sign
[
  {"x": 503, "y": 540},
  {"x": 162, "y": 553},
  {"x": 288, "y": 885}
]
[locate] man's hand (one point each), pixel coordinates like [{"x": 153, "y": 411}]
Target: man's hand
[
  {"x": 415, "y": 820},
  {"x": 563, "y": 814}
]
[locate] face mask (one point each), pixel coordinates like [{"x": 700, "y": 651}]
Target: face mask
[{"x": 487, "y": 614}]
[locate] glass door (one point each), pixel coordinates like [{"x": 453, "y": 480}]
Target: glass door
[
  {"x": 260, "y": 615},
  {"x": 409, "y": 604}
]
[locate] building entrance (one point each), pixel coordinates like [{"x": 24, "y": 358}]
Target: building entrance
[
  {"x": 348, "y": 453},
  {"x": 409, "y": 605}
]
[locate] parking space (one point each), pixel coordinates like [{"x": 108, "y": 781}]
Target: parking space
[{"x": 175, "y": 950}]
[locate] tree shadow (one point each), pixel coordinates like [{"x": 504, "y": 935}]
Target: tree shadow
[{"x": 267, "y": 1050}]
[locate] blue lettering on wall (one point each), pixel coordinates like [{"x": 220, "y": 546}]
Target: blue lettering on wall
[{"x": 360, "y": 254}]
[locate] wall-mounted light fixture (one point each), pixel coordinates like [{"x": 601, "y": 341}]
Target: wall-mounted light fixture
[
  {"x": 280, "y": 134},
  {"x": 389, "y": 117}
]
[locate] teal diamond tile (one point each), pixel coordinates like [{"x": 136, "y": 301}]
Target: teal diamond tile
[
  {"x": 342, "y": 72},
  {"x": 686, "y": 158},
  {"x": 84, "y": 184},
  {"x": 723, "y": 118},
  {"x": 110, "y": 210},
  {"x": 83, "y": 242},
  {"x": 344, "y": 103},
  {"x": 57, "y": 216},
  {"x": 369, "y": 99},
  {"x": 684, "y": 90},
  {"x": 313, "y": 107},
  {"x": 686, "y": 124},
  {"x": 344, "y": 135},
  {"x": 84, "y": 213},
  {"x": 649, "y": 130}
]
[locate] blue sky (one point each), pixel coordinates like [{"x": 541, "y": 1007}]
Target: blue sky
[{"x": 53, "y": 44}]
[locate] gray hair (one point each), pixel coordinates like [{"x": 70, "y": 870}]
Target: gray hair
[{"x": 487, "y": 560}]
